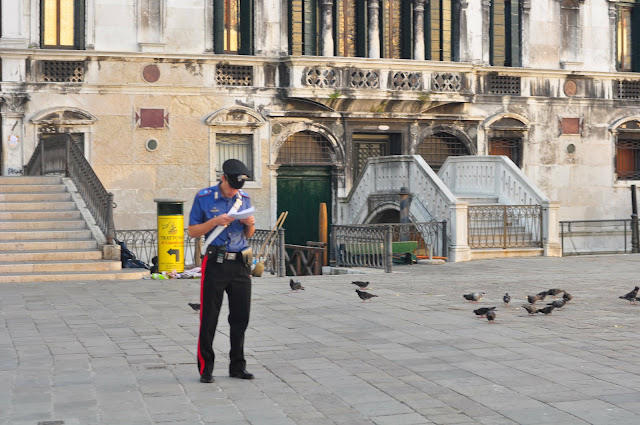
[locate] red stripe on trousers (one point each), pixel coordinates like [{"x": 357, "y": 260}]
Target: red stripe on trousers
[{"x": 203, "y": 267}]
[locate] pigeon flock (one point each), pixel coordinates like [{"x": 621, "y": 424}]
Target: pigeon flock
[{"x": 490, "y": 312}]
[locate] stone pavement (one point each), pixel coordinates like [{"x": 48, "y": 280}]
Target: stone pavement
[{"x": 124, "y": 352}]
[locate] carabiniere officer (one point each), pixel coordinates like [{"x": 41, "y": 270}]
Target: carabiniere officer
[{"x": 225, "y": 267}]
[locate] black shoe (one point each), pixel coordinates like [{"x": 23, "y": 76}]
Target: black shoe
[
  {"x": 243, "y": 374},
  {"x": 206, "y": 378}
]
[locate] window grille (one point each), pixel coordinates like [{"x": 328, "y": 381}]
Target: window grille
[
  {"x": 628, "y": 158},
  {"x": 234, "y": 75},
  {"x": 62, "y": 71},
  {"x": 234, "y": 146},
  {"x": 508, "y": 146},
  {"x": 435, "y": 149},
  {"x": 305, "y": 148},
  {"x": 368, "y": 149},
  {"x": 628, "y": 89},
  {"x": 504, "y": 84}
]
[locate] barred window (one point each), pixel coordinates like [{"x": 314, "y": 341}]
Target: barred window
[
  {"x": 510, "y": 147},
  {"x": 305, "y": 148},
  {"x": 234, "y": 146},
  {"x": 62, "y": 24},
  {"x": 505, "y": 35},
  {"x": 435, "y": 149},
  {"x": 628, "y": 157}
]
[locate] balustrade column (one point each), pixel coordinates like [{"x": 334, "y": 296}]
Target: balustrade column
[
  {"x": 418, "y": 30},
  {"x": 374, "y": 29},
  {"x": 327, "y": 28}
]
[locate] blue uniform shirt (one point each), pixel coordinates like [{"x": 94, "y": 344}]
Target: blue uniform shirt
[{"x": 210, "y": 203}]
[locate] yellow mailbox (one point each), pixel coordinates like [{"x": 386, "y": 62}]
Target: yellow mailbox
[{"x": 170, "y": 235}]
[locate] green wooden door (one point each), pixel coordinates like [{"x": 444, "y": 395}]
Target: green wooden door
[{"x": 301, "y": 190}]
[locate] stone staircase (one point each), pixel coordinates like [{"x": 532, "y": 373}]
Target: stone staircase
[{"x": 44, "y": 237}]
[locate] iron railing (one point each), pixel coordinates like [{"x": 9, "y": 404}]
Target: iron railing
[
  {"x": 583, "y": 237},
  {"x": 504, "y": 226},
  {"x": 144, "y": 244},
  {"x": 372, "y": 245},
  {"x": 64, "y": 150}
]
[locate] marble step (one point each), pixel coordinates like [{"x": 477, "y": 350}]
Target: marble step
[
  {"x": 41, "y": 224},
  {"x": 60, "y": 266},
  {"x": 51, "y": 245},
  {"x": 30, "y": 180},
  {"x": 41, "y": 255},
  {"x": 40, "y": 215},
  {"x": 35, "y": 197},
  {"x": 125, "y": 274},
  {"x": 32, "y": 188},
  {"x": 38, "y": 206},
  {"x": 58, "y": 234}
]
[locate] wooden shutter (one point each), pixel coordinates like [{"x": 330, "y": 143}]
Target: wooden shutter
[
  {"x": 635, "y": 38},
  {"x": 79, "y": 25},
  {"x": 246, "y": 27},
  {"x": 218, "y": 26}
]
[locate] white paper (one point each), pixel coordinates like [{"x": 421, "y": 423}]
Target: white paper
[{"x": 241, "y": 215}]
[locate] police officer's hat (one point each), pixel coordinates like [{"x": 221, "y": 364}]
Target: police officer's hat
[{"x": 234, "y": 167}]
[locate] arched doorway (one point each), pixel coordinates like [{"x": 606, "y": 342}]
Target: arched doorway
[
  {"x": 303, "y": 183},
  {"x": 437, "y": 147}
]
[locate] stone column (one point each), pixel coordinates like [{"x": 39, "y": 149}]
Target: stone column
[
  {"x": 613, "y": 15},
  {"x": 486, "y": 34},
  {"x": 524, "y": 46},
  {"x": 418, "y": 30},
  {"x": 327, "y": 28},
  {"x": 374, "y": 29},
  {"x": 13, "y": 134}
]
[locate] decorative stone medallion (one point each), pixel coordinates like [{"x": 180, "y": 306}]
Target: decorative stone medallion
[
  {"x": 151, "y": 73},
  {"x": 570, "y": 88}
]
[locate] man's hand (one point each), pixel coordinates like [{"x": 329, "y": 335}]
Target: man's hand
[
  {"x": 223, "y": 219},
  {"x": 249, "y": 221}
]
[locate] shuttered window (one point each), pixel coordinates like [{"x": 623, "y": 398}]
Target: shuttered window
[
  {"x": 62, "y": 24},
  {"x": 233, "y": 26},
  {"x": 505, "y": 32},
  {"x": 396, "y": 30},
  {"x": 304, "y": 27},
  {"x": 439, "y": 30},
  {"x": 628, "y": 37},
  {"x": 351, "y": 28},
  {"x": 234, "y": 146}
]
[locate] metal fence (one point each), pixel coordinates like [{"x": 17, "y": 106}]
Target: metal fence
[
  {"x": 144, "y": 244},
  {"x": 582, "y": 237},
  {"x": 372, "y": 245},
  {"x": 504, "y": 226}
]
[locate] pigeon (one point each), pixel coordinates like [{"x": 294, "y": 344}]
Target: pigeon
[
  {"x": 491, "y": 316},
  {"x": 558, "y": 303},
  {"x": 530, "y": 309},
  {"x": 196, "y": 307},
  {"x": 546, "y": 310},
  {"x": 542, "y": 295},
  {"x": 567, "y": 297},
  {"x": 533, "y": 298},
  {"x": 554, "y": 292},
  {"x": 483, "y": 310},
  {"x": 360, "y": 283},
  {"x": 365, "y": 295},
  {"x": 295, "y": 285},
  {"x": 474, "y": 297},
  {"x": 631, "y": 296},
  {"x": 506, "y": 299}
]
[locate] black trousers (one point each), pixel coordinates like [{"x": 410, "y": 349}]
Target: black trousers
[{"x": 233, "y": 278}]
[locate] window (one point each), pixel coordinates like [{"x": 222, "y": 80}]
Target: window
[
  {"x": 304, "y": 27},
  {"x": 626, "y": 38},
  {"x": 435, "y": 149},
  {"x": 396, "y": 30},
  {"x": 628, "y": 151},
  {"x": 510, "y": 147},
  {"x": 233, "y": 26},
  {"x": 504, "y": 32},
  {"x": 351, "y": 28},
  {"x": 236, "y": 146},
  {"x": 62, "y": 24},
  {"x": 305, "y": 148},
  {"x": 439, "y": 30},
  {"x": 571, "y": 40}
]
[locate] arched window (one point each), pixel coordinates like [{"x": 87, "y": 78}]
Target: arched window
[
  {"x": 505, "y": 32},
  {"x": 304, "y": 27},
  {"x": 505, "y": 138},
  {"x": 436, "y": 148},
  {"x": 440, "y": 30},
  {"x": 62, "y": 24},
  {"x": 305, "y": 148},
  {"x": 628, "y": 151},
  {"x": 233, "y": 26},
  {"x": 351, "y": 28}
]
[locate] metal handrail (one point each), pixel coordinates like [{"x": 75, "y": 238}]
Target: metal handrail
[
  {"x": 610, "y": 233},
  {"x": 99, "y": 202}
]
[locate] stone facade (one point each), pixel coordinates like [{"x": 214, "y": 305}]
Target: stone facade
[{"x": 565, "y": 80}]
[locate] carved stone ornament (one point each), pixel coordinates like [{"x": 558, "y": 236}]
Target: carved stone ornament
[
  {"x": 15, "y": 103},
  {"x": 236, "y": 116},
  {"x": 570, "y": 88}
]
